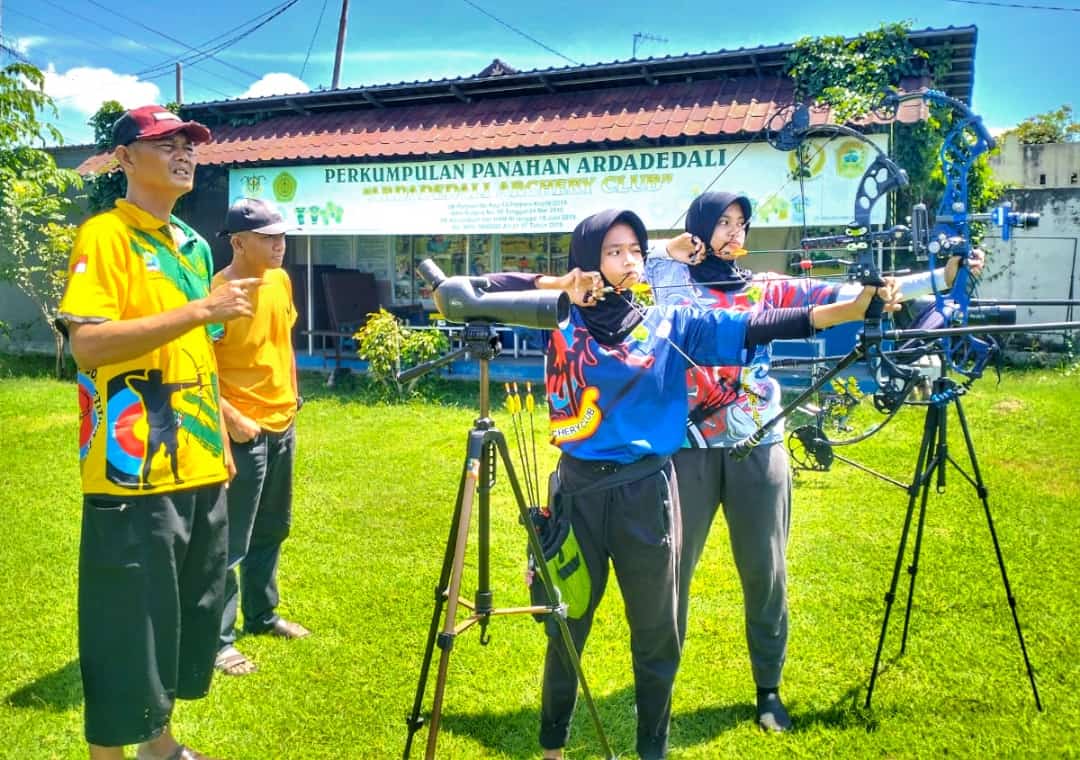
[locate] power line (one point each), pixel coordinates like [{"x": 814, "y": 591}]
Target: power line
[
  {"x": 202, "y": 55},
  {"x": 109, "y": 29},
  {"x": 313, "y": 36},
  {"x": 122, "y": 36},
  {"x": 523, "y": 34},
  {"x": 269, "y": 13},
  {"x": 170, "y": 38},
  {"x": 1022, "y": 6}
]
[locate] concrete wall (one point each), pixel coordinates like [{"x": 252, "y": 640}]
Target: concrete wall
[
  {"x": 1043, "y": 262},
  {"x": 1044, "y": 166}
]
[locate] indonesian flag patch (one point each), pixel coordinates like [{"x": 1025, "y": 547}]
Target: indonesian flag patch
[{"x": 80, "y": 265}]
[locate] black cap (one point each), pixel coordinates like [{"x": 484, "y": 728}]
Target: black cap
[{"x": 255, "y": 215}]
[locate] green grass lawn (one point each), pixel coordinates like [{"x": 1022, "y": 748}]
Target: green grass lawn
[{"x": 375, "y": 492}]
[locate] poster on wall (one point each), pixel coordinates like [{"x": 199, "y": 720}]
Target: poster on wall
[{"x": 551, "y": 193}]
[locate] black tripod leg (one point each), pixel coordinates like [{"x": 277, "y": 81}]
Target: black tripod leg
[
  {"x": 549, "y": 589},
  {"x": 980, "y": 488},
  {"x": 414, "y": 720},
  {"x": 919, "y": 481},
  {"x": 937, "y": 463},
  {"x": 484, "y": 598}
]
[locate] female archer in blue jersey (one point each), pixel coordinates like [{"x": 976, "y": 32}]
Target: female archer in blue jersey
[{"x": 617, "y": 398}]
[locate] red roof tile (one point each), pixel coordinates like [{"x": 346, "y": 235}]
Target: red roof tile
[{"x": 698, "y": 109}]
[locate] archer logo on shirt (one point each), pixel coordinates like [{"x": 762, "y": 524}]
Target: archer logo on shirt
[
  {"x": 583, "y": 424},
  {"x": 150, "y": 259}
]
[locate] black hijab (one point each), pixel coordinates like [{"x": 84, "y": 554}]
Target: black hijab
[
  {"x": 612, "y": 319},
  {"x": 701, "y": 219}
]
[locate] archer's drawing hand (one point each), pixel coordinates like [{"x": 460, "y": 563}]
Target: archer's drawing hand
[
  {"x": 231, "y": 299},
  {"x": 584, "y": 288},
  {"x": 686, "y": 248}
]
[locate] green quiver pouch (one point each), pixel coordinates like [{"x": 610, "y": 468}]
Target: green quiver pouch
[{"x": 563, "y": 557}]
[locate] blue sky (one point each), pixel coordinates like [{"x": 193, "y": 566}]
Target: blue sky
[{"x": 94, "y": 50}]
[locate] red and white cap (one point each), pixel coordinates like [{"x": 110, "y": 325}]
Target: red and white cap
[{"x": 152, "y": 123}]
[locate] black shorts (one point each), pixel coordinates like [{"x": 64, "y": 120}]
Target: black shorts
[{"x": 151, "y": 590}]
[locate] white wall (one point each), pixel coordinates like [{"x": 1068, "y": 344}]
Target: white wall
[{"x": 1043, "y": 262}]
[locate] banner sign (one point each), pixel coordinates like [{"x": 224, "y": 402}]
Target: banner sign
[{"x": 552, "y": 193}]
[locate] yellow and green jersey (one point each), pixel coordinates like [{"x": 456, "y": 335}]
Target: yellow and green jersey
[{"x": 150, "y": 424}]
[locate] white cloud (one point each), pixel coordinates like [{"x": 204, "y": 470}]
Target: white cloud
[
  {"x": 276, "y": 84},
  {"x": 84, "y": 89},
  {"x": 23, "y": 44}
]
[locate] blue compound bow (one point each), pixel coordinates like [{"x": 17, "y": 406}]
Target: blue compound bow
[{"x": 945, "y": 332}]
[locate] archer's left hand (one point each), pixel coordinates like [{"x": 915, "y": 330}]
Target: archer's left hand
[
  {"x": 889, "y": 293},
  {"x": 976, "y": 261}
]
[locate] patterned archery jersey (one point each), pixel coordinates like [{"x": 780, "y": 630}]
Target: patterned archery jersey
[
  {"x": 728, "y": 403},
  {"x": 150, "y": 424},
  {"x": 622, "y": 402}
]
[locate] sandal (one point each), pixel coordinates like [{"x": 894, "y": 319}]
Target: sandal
[
  {"x": 232, "y": 662},
  {"x": 180, "y": 753}
]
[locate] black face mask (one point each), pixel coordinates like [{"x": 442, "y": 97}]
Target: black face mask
[
  {"x": 705, "y": 211},
  {"x": 612, "y": 319}
]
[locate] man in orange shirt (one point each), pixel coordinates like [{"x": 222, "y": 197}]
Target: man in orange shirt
[{"x": 259, "y": 399}]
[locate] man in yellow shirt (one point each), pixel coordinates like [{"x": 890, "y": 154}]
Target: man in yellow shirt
[
  {"x": 259, "y": 400},
  {"x": 141, "y": 314}
]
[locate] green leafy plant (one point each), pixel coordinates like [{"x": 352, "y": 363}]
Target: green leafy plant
[
  {"x": 34, "y": 236},
  {"x": 851, "y": 75},
  {"x": 104, "y": 188},
  {"x": 388, "y": 346},
  {"x": 1056, "y": 126}
]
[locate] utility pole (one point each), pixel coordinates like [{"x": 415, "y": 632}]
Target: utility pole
[
  {"x": 340, "y": 43},
  {"x": 179, "y": 83},
  {"x": 639, "y": 36}
]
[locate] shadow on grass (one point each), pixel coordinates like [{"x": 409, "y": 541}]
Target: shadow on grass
[
  {"x": 515, "y": 734},
  {"x": 58, "y": 691},
  {"x": 705, "y": 724},
  {"x": 847, "y": 712}
]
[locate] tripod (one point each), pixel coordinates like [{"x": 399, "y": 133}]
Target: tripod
[
  {"x": 933, "y": 456},
  {"x": 477, "y": 479}
]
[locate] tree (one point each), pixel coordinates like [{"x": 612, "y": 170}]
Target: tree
[
  {"x": 1050, "y": 127},
  {"x": 103, "y": 189},
  {"x": 34, "y": 237}
]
